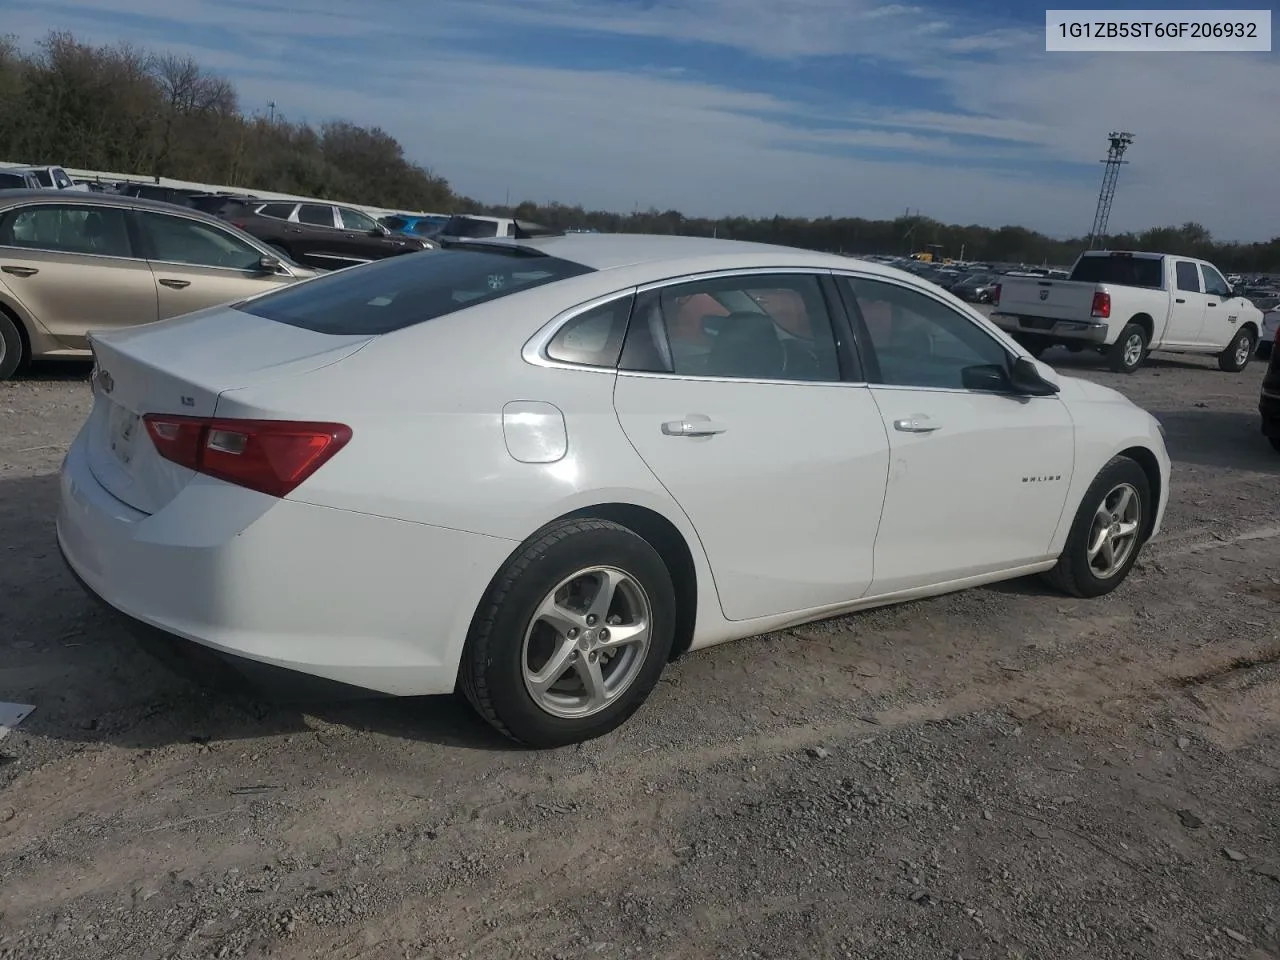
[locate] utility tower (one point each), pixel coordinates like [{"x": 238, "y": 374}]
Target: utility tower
[{"x": 1115, "y": 154}]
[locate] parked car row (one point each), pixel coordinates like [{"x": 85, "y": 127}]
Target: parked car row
[{"x": 75, "y": 261}]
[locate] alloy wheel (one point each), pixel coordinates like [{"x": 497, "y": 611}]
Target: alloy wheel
[
  {"x": 586, "y": 642},
  {"x": 1113, "y": 535}
]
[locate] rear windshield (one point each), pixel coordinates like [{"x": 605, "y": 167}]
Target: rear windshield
[
  {"x": 469, "y": 227},
  {"x": 400, "y": 291},
  {"x": 1126, "y": 271}
]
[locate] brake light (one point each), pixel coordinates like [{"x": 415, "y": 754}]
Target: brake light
[
  {"x": 1101, "y": 305},
  {"x": 995, "y": 295},
  {"x": 238, "y": 224},
  {"x": 271, "y": 456}
]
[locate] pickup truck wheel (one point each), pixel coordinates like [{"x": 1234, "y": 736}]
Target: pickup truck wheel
[
  {"x": 1129, "y": 350},
  {"x": 1238, "y": 353},
  {"x": 1107, "y": 533}
]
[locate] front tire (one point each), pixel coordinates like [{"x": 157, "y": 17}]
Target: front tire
[
  {"x": 1108, "y": 532},
  {"x": 1129, "y": 350},
  {"x": 572, "y": 635},
  {"x": 13, "y": 351},
  {"x": 1239, "y": 351}
]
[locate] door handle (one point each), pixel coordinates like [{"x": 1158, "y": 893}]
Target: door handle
[
  {"x": 1180, "y": 300},
  {"x": 1213, "y": 303},
  {"x": 692, "y": 427},
  {"x": 292, "y": 229},
  {"x": 174, "y": 284},
  {"x": 20, "y": 271},
  {"x": 916, "y": 424}
]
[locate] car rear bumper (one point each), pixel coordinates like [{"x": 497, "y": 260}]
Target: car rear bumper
[
  {"x": 1088, "y": 331},
  {"x": 365, "y": 602}
]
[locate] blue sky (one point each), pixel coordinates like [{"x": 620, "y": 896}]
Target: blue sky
[{"x": 756, "y": 107}]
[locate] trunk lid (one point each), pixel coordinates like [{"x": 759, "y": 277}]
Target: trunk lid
[
  {"x": 1050, "y": 299},
  {"x": 182, "y": 366}
]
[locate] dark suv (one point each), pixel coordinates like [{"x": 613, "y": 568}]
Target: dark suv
[
  {"x": 1269, "y": 402},
  {"x": 324, "y": 235}
]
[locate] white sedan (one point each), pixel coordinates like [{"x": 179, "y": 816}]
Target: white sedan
[{"x": 541, "y": 469}]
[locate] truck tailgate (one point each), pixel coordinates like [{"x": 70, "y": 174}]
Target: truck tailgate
[{"x": 1050, "y": 299}]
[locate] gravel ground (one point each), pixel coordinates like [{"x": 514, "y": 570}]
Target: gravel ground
[{"x": 1003, "y": 773}]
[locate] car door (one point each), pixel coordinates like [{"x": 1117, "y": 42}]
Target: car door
[
  {"x": 977, "y": 479},
  {"x": 197, "y": 264},
  {"x": 1186, "y": 313},
  {"x": 362, "y": 240},
  {"x": 317, "y": 240},
  {"x": 73, "y": 267},
  {"x": 1221, "y": 321},
  {"x": 744, "y": 401}
]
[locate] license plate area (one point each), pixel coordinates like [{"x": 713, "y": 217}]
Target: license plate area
[{"x": 123, "y": 427}]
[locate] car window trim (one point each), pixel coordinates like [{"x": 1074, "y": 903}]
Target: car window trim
[
  {"x": 145, "y": 244},
  {"x": 133, "y": 256},
  {"x": 865, "y": 337}
]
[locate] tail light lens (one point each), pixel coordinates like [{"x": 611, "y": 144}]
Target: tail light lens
[
  {"x": 1101, "y": 305},
  {"x": 238, "y": 224},
  {"x": 995, "y": 295},
  {"x": 271, "y": 456}
]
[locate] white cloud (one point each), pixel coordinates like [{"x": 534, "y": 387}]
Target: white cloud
[{"x": 657, "y": 136}]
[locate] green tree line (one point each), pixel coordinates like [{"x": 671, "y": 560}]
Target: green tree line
[{"x": 128, "y": 110}]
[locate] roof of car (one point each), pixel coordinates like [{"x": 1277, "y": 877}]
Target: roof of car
[
  {"x": 11, "y": 198},
  {"x": 605, "y": 251}
]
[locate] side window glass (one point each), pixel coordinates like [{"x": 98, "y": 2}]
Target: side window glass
[
  {"x": 277, "y": 211},
  {"x": 316, "y": 214},
  {"x": 78, "y": 228},
  {"x": 919, "y": 341},
  {"x": 748, "y": 327},
  {"x": 593, "y": 338},
  {"x": 179, "y": 240},
  {"x": 1188, "y": 276},
  {"x": 355, "y": 220},
  {"x": 1214, "y": 284}
]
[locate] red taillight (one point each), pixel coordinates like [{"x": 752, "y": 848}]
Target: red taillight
[
  {"x": 1101, "y": 305},
  {"x": 270, "y": 456},
  {"x": 995, "y": 295},
  {"x": 238, "y": 224}
]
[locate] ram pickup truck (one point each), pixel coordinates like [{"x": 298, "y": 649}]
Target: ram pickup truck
[{"x": 1124, "y": 305}]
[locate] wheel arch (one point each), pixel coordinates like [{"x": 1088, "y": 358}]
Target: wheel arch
[
  {"x": 1147, "y": 322},
  {"x": 23, "y": 333},
  {"x": 1150, "y": 465},
  {"x": 666, "y": 538}
]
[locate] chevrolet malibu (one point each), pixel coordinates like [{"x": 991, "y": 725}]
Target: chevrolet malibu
[{"x": 539, "y": 470}]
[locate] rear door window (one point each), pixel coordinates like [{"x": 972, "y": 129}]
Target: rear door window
[
  {"x": 316, "y": 214},
  {"x": 68, "y": 228},
  {"x": 399, "y": 292},
  {"x": 276, "y": 211}
]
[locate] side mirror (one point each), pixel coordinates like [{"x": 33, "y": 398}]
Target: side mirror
[
  {"x": 379, "y": 231},
  {"x": 990, "y": 377},
  {"x": 1025, "y": 378},
  {"x": 270, "y": 265}
]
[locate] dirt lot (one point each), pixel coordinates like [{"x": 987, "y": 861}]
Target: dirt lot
[{"x": 1005, "y": 773}]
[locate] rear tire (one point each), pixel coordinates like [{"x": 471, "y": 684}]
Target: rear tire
[
  {"x": 1239, "y": 351},
  {"x": 1129, "y": 350},
  {"x": 1101, "y": 548},
  {"x": 532, "y": 665},
  {"x": 13, "y": 349}
]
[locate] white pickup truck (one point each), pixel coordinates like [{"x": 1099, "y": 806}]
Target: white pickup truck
[{"x": 1125, "y": 305}]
